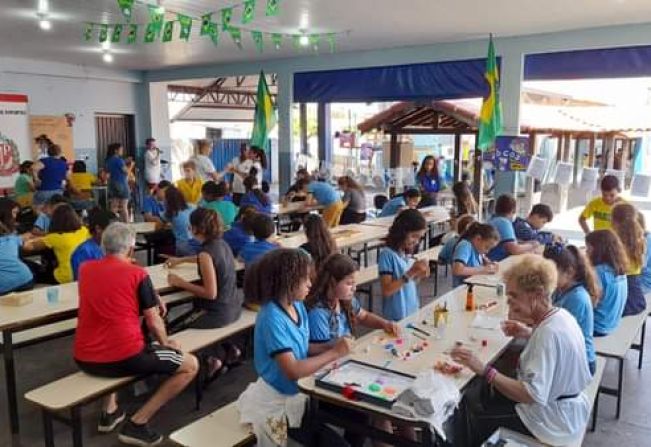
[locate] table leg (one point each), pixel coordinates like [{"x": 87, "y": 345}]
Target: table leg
[
  {"x": 75, "y": 420},
  {"x": 10, "y": 378},
  {"x": 48, "y": 432}
]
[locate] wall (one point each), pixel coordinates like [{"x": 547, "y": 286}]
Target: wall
[{"x": 55, "y": 89}]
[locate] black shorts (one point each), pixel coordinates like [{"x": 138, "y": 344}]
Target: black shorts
[{"x": 151, "y": 360}]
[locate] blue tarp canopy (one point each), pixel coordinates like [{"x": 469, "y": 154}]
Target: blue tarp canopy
[{"x": 430, "y": 81}]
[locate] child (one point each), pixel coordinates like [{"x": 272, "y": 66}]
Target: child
[
  {"x": 600, "y": 209},
  {"x": 429, "y": 180},
  {"x": 240, "y": 232},
  {"x": 190, "y": 184},
  {"x": 629, "y": 231},
  {"x": 529, "y": 229},
  {"x": 410, "y": 199},
  {"x": 98, "y": 220},
  {"x": 254, "y": 196},
  {"x": 263, "y": 229},
  {"x": 320, "y": 243},
  {"x": 24, "y": 186},
  {"x": 218, "y": 303},
  {"x": 398, "y": 273},
  {"x": 153, "y": 206},
  {"x": 469, "y": 254},
  {"x": 503, "y": 222},
  {"x": 576, "y": 291},
  {"x": 354, "y": 201},
  {"x": 607, "y": 255},
  {"x": 465, "y": 200},
  {"x": 42, "y": 222},
  {"x": 280, "y": 282},
  {"x": 15, "y": 275},
  {"x": 213, "y": 196},
  {"x": 445, "y": 255},
  {"x": 66, "y": 234},
  {"x": 322, "y": 193},
  {"x": 177, "y": 214},
  {"x": 81, "y": 182},
  {"x": 645, "y": 277}
]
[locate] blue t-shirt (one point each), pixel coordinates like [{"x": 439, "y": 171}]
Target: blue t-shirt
[
  {"x": 405, "y": 301},
  {"x": 327, "y": 325},
  {"x": 468, "y": 255},
  {"x": 525, "y": 232},
  {"x": 323, "y": 192},
  {"x": 87, "y": 251},
  {"x": 250, "y": 199},
  {"x": 115, "y": 166},
  {"x": 445, "y": 255},
  {"x": 645, "y": 276},
  {"x": 181, "y": 225},
  {"x": 42, "y": 222},
  {"x": 53, "y": 173},
  {"x": 392, "y": 207},
  {"x": 255, "y": 249},
  {"x": 152, "y": 206},
  {"x": 13, "y": 272},
  {"x": 504, "y": 228},
  {"x": 428, "y": 183},
  {"x": 576, "y": 300},
  {"x": 275, "y": 333},
  {"x": 614, "y": 292},
  {"x": 236, "y": 237}
]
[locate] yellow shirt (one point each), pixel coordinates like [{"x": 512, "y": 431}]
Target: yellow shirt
[
  {"x": 63, "y": 245},
  {"x": 600, "y": 212},
  {"x": 191, "y": 191},
  {"x": 634, "y": 269},
  {"x": 82, "y": 181}
]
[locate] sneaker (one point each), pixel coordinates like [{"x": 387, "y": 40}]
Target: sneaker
[
  {"x": 139, "y": 435},
  {"x": 108, "y": 422}
]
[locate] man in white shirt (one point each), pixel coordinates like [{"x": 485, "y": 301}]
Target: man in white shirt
[{"x": 152, "y": 163}]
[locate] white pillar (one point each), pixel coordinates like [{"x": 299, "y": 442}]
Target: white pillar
[
  {"x": 160, "y": 124},
  {"x": 285, "y": 153}
]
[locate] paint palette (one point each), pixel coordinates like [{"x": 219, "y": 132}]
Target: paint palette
[{"x": 365, "y": 382}]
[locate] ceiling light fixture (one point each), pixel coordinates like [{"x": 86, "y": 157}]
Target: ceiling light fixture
[
  {"x": 45, "y": 24},
  {"x": 304, "y": 40},
  {"x": 107, "y": 57}
]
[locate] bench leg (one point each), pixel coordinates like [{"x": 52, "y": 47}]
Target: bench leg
[
  {"x": 10, "y": 380},
  {"x": 620, "y": 386},
  {"x": 48, "y": 431},
  {"x": 75, "y": 423},
  {"x": 595, "y": 410},
  {"x": 436, "y": 279},
  {"x": 641, "y": 354},
  {"x": 199, "y": 381}
]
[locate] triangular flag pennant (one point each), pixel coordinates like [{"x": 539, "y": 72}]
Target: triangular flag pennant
[
  {"x": 213, "y": 32},
  {"x": 332, "y": 42},
  {"x": 168, "y": 31},
  {"x": 150, "y": 33},
  {"x": 314, "y": 41},
  {"x": 206, "y": 21},
  {"x": 249, "y": 11},
  {"x": 296, "y": 40},
  {"x": 156, "y": 18},
  {"x": 277, "y": 40},
  {"x": 257, "y": 39},
  {"x": 236, "y": 35},
  {"x": 186, "y": 26},
  {"x": 273, "y": 7},
  {"x": 227, "y": 16},
  {"x": 133, "y": 34},
  {"x": 103, "y": 33},
  {"x": 126, "y": 6},
  {"x": 117, "y": 33},
  {"x": 88, "y": 31}
]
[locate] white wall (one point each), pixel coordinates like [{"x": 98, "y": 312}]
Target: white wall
[{"x": 55, "y": 89}]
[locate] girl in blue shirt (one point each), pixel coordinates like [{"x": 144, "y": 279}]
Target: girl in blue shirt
[
  {"x": 463, "y": 222},
  {"x": 279, "y": 282},
  {"x": 15, "y": 276},
  {"x": 607, "y": 255},
  {"x": 177, "y": 214},
  {"x": 398, "y": 271},
  {"x": 429, "y": 180},
  {"x": 254, "y": 196},
  {"x": 576, "y": 291},
  {"x": 240, "y": 232},
  {"x": 469, "y": 253}
]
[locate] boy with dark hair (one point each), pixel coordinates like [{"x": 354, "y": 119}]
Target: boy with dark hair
[
  {"x": 263, "y": 229},
  {"x": 505, "y": 208},
  {"x": 409, "y": 199},
  {"x": 42, "y": 222},
  {"x": 153, "y": 205},
  {"x": 600, "y": 208},
  {"x": 214, "y": 195},
  {"x": 98, "y": 221},
  {"x": 529, "y": 229}
]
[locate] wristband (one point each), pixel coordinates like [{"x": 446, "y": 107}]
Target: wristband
[{"x": 490, "y": 375}]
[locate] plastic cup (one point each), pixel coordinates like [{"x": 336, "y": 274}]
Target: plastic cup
[{"x": 52, "y": 294}]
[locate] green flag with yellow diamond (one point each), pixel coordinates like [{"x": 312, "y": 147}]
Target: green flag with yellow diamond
[
  {"x": 490, "y": 118},
  {"x": 265, "y": 115}
]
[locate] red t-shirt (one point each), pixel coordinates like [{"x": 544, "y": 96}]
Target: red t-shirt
[{"x": 112, "y": 294}]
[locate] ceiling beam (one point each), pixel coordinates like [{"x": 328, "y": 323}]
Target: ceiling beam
[{"x": 208, "y": 89}]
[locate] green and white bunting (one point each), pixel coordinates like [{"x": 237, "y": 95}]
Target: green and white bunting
[
  {"x": 236, "y": 35},
  {"x": 206, "y": 22},
  {"x": 126, "y": 6},
  {"x": 227, "y": 17},
  {"x": 103, "y": 33},
  {"x": 273, "y": 8},
  {"x": 117, "y": 33},
  {"x": 332, "y": 42},
  {"x": 88, "y": 31},
  {"x": 314, "y": 41},
  {"x": 186, "y": 26},
  {"x": 156, "y": 18},
  {"x": 150, "y": 33},
  {"x": 132, "y": 36},
  {"x": 277, "y": 40},
  {"x": 249, "y": 11},
  {"x": 213, "y": 32},
  {"x": 258, "y": 40},
  {"x": 168, "y": 31}
]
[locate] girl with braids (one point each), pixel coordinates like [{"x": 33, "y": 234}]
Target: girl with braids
[
  {"x": 626, "y": 226},
  {"x": 576, "y": 291},
  {"x": 469, "y": 255},
  {"x": 282, "y": 354},
  {"x": 607, "y": 255},
  {"x": 320, "y": 243}
]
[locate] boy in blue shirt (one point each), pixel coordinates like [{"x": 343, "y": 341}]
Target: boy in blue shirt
[
  {"x": 263, "y": 229},
  {"x": 240, "y": 232},
  {"x": 324, "y": 194},
  {"x": 98, "y": 221},
  {"x": 153, "y": 206},
  {"x": 409, "y": 199},
  {"x": 505, "y": 208},
  {"x": 529, "y": 229},
  {"x": 42, "y": 222}
]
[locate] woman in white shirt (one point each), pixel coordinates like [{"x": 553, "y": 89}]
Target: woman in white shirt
[
  {"x": 241, "y": 169},
  {"x": 205, "y": 167},
  {"x": 545, "y": 399},
  {"x": 152, "y": 163}
]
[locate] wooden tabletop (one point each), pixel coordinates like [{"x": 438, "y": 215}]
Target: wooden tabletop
[
  {"x": 344, "y": 236},
  {"x": 142, "y": 227},
  {"x": 293, "y": 207},
  {"x": 432, "y": 214}
]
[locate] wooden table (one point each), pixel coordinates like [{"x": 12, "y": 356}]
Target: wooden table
[
  {"x": 369, "y": 349},
  {"x": 432, "y": 214},
  {"x": 142, "y": 227},
  {"x": 39, "y": 313},
  {"x": 344, "y": 235},
  {"x": 280, "y": 209}
]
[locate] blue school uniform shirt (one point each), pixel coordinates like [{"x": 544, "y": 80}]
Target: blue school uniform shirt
[
  {"x": 115, "y": 166},
  {"x": 468, "y": 255},
  {"x": 576, "y": 300},
  {"x": 255, "y": 249},
  {"x": 405, "y": 301},
  {"x": 181, "y": 225},
  {"x": 152, "y": 206},
  {"x": 645, "y": 276},
  {"x": 250, "y": 199},
  {"x": 429, "y": 183},
  {"x": 323, "y": 192},
  {"x": 42, "y": 222},
  {"x": 504, "y": 228},
  {"x": 236, "y": 237},
  {"x": 525, "y": 232},
  {"x": 13, "y": 272},
  {"x": 392, "y": 207},
  {"x": 275, "y": 333},
  {"x": 87, "y": 251},
  {"x": 53, "y": 174},
  {"x": 327, "y": 325},
  {"x": 445, "y": 255},
  {"x": 614, "y": 292}
]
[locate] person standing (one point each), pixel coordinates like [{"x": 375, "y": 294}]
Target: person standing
[
  {"x": 240, "y": 168},
  {"x": 205, "y": 167},
  {"x": 152, "y": 163},
  {"x": 118, "y": 185},
  {"x": 52, "y": 172},
  {"x": 429, "y": 180}
]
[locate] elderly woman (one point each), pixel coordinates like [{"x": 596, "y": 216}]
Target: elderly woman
[
  {"x": 52, "y": 171},
  {"x": 546, "y": 398},
  {"x": 109, "y": 341}
]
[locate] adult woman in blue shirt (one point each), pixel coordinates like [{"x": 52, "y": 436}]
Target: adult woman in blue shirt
[
  {"x": 429, "y": 180},
  {"x": 118, "y": 185},
  {"x": 52, "y": 172}
]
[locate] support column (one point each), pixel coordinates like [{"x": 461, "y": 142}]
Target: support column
[
  {"x": 159, "y": 128},
  {"x": 284, "y": 104},
  {"x": 324, "y": 132},
  {"x": 458, "y": 163},
  {"x": 302, "y": 118}
]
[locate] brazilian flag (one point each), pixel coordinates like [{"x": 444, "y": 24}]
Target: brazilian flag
[
  {"x": 490, "y": 118},
  {"x": 265, "y": 115}
]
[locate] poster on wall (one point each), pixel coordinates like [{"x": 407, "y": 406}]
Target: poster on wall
[
  {"x": 512, "y": 153},
  {"x": 56, "y": 128},
  {"x": 14, "y": 136}
]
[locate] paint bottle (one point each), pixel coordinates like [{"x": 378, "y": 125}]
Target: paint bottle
[{"x": 470, "y": 299}]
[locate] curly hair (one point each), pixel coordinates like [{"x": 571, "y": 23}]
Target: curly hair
[
  {"x": 275, "y": 275},
  {"x": 533, "y": 274},
  {"x": 606, "y": 248},
  {"x": 174, "y": 202},
  {"x": 627, "y": 227},
  {"x": 570, "y": 258},
  {"x": 207, "y": 223},
  {"x": 320, "y": 241},
  {"x": 406, "y": 222}
]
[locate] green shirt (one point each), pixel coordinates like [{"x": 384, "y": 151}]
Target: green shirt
[
  {"x": 21, "y": 187},
  {"x": 227, "y": 210}
]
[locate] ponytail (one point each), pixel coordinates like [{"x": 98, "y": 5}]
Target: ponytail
[{"x": 569, "y": 257}]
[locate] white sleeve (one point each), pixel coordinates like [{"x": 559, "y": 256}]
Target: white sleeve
[
  {"x": 208, "y": 166},
  {"x": 537, "y": 366}
]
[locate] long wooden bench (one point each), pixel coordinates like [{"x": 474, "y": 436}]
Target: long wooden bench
[
  {"x": 71, "y": 393},
  {"x": 617, "y": 345},
  {"x": 221, "y": 428}
]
